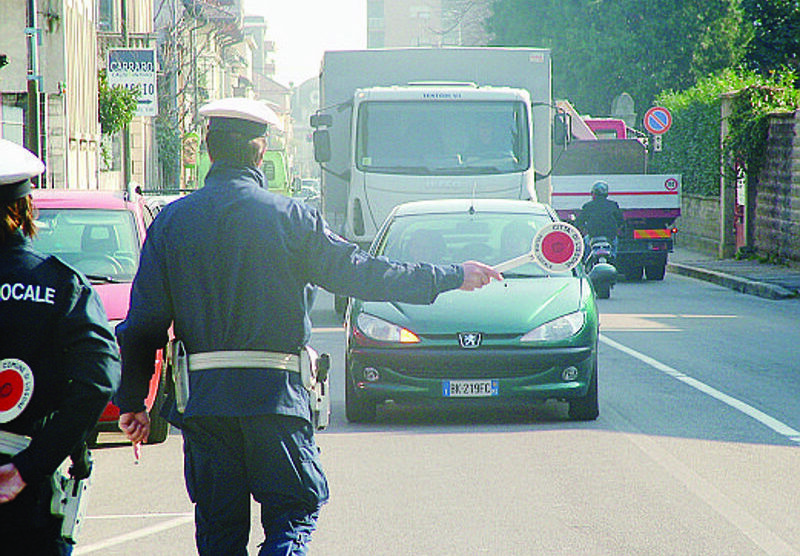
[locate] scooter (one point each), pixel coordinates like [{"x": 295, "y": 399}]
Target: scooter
[{"x": 600, "y": 267}]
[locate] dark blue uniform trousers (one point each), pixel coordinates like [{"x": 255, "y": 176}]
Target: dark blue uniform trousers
[{"x": 273, "y": 458}]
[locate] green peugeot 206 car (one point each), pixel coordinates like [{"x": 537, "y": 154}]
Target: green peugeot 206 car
[{"x": 531, "y": 337}]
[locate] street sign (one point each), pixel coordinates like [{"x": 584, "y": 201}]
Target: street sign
[
  {"x": 657, "y": 120},
  {"x": 135, "y": 68}
]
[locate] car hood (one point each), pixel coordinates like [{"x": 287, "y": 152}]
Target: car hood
[
  {"x": 116, "y": 298},
  {"x": 513, "y": 306}
]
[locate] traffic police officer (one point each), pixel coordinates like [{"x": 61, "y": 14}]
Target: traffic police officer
[
  {"x": 233, "y": 268},
  {"x": 59, "y": 365}
]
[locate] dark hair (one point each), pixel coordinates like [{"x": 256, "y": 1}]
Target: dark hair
[
  {"x": 235, "y": 148},
  {"x": 17, "y": 214}
]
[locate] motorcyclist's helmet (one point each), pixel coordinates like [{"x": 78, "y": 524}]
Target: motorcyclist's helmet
[{"x": 600, "y": 189}]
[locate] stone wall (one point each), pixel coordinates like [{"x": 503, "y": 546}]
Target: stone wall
[
  {"x": 698, "y": 225},
  {"x": 776, "y": 229}
]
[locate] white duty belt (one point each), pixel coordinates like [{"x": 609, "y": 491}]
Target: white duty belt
[
  {"x": 244, "y": 360},
  {"x": 11, "y": 444}
]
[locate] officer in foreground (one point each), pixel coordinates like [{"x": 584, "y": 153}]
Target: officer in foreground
[
  {"x": 59, "y": 366},
  {"x": 233, "y": 268},
  {"x": 601, "y": 216}
]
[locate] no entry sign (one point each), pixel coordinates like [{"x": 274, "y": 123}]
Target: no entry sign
[{"x": 657, "y": 120}]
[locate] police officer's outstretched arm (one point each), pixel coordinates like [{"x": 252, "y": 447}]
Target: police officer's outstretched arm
[
  {"x": 343, "y": 268},
  {"x": 477, "y": 275}
]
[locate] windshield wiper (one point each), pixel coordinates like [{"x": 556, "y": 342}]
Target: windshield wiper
[
  {"x": 103, "y": 279},
  {"x": 400, "y": 169}
]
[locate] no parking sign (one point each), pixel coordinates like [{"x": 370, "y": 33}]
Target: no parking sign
[{"x": 657, "y": 120}]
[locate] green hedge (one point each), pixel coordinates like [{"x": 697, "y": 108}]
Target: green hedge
[{"x": 692, "y": 145}]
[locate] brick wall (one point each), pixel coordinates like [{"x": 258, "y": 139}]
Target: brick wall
[{"x": 776, "y": 230}]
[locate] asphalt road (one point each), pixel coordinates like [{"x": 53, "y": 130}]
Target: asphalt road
[{"x": 696, "y": 451}]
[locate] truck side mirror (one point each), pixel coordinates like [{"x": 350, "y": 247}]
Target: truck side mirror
[
  {"x": 561, "y": 126},
  {"x": 321, "y": 120},
  {"x": 322, "y": 145}
]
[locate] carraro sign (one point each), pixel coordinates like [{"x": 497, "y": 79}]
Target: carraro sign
[{"x": 135, "y": 68}]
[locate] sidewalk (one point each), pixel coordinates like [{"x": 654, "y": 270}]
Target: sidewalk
[{"x": 746, "y": 276}]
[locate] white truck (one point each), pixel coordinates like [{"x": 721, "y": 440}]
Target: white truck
[{"x": 406, "y": 124}]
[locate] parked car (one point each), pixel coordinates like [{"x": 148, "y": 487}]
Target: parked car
[
  {"x": 532, "y": 336},
  {"x": 308, "y": 192},
  {"x": 101, "y": 234}
]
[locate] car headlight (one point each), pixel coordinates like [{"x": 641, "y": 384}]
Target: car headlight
[
  {"x": 557, "y": 329},
  {"x": 383, "y": 331}
]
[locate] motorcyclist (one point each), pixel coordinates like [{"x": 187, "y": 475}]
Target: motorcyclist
[{"x": 601, "y": 216}]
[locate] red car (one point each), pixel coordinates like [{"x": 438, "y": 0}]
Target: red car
[{"x": 101, "y": 234}]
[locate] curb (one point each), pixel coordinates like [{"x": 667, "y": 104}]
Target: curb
[{"x": 736, "y": 283}]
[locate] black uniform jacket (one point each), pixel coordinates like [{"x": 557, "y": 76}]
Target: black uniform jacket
[
  {"x": 52, "y": 320},
  {"x": 601, "y": 217}
]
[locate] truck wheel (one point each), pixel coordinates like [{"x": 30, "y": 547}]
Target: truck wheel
[
  {"x": 357, "y": 408},
  {"x": 655, "y": 271},
  {"x": 159, "y": 427},
  {"x": 586, "y": 408},
  {"x": 633, "y": 273}
]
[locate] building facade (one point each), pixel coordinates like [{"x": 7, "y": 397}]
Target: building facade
[{"x": 395, "y": 23}]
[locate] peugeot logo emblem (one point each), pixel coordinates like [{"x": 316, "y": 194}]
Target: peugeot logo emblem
[{"x": 469, "y": 340}]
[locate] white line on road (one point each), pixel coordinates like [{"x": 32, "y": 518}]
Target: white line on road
[
  {"x": 764, "y": 537},
  {"x": 133, "y": 535},
  {"x": 777, "y": 426}
]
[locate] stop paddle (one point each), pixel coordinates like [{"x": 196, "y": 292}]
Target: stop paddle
[{"x": 556, "y": 247}]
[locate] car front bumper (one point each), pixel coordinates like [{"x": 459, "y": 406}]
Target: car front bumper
[{"x": 523, "y": 373}]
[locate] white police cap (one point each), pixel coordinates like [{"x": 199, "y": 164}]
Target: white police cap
[
  {"x": 243, "y": 115},
  {"x": 17, "y": 166}
]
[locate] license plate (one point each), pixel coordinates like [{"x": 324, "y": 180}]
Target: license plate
[{"x": 470, "y": 388}]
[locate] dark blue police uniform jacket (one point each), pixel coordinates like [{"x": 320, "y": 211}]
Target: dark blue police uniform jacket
[
  {"x": 52, "y": 319},
  {"x": 232, "y": 266}
]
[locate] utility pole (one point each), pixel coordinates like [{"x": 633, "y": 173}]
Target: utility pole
[
  {"x": 126, "y": 132},
  {"x": 33, "y": 140}
]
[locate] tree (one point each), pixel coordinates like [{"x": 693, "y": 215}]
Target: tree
[
  {"x": 601, "y": 48},
  {"x": 116, "y": 105},
  {"x": 776, "y": 29}
]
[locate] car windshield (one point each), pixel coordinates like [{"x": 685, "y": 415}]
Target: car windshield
[
  {"x": 103, "y": 244},
  {"x": 489, "y": 237},
  {"x": 443, "y": 138}
]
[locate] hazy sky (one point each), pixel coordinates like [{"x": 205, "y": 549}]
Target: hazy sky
[{"x": 304, "y": 29}]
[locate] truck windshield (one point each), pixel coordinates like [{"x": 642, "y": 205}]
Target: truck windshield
[{"x": 442, "y": 137}]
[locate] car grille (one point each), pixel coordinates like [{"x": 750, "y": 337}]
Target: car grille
[{"x": 475, "y": 363}]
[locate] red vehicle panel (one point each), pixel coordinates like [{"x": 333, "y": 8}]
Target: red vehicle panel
[{"x": 101, "y": 234}]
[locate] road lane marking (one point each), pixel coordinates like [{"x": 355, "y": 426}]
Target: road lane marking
[
  {"x": 754, "y": 529},
  {"x": 770, "y": 422},
  {"x": 133, "y": 535}
]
